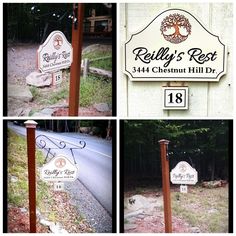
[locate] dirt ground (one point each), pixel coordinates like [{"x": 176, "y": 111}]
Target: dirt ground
[
  {"x": 18, "y": 221},
  {"x": 21, "y": 61},
  {"x": 18, "y": 218}
]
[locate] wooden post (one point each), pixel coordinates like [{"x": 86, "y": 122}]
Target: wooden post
[
  {"x": 166, "y": 185},
  {"x": 86, "y": 68},
  {"x": 77, "y": 34},
  {"x": 30, "y": 126}
]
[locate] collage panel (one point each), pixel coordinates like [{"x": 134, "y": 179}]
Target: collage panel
[
  {"x": 176, "y": 176},
  {"x": 59, "y": 176},
  {"x": 59, "y": 59},
  {"x": 176, "y": 60}
]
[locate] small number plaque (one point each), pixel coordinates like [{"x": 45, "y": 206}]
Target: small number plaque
[
  {"x": 175, "y": 98},
  {"x": 58, "y": 186},
  {"x": 183, "y": 188},
  {"x": 57, "y": 77}
]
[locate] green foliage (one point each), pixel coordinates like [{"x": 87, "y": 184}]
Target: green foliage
[
  {"x": 57, "y": 96},
  {"x": 102, "y": 60},
  {"x": 202, "y": 143},
  {"x": 204, "y": 208},
  {"x": 17, "y": 167},
  {"x": 35, "y": 92},
  {"x": 93, "y": 90}
]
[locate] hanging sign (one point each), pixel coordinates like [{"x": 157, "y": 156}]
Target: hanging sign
[
  {"x": 183, "y": 173},
  {"x": 174, "y": 46},
  {"x": 55, "y": 53},
  {"x": 59, "y": 168}
]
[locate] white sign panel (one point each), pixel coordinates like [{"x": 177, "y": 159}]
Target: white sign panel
[
  {"x": 175, "y": 46},
  {"x": 55, "y": 53},
  {"x": 59, "y": 168},
  {"x": 183, "y": 173},
  {"x": 175, "y": 98}
]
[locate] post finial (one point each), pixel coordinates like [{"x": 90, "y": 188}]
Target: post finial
[{"x": 30, "y": 124}]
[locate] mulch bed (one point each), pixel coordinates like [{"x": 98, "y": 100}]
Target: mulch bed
[{"x": 18, "y": 222}]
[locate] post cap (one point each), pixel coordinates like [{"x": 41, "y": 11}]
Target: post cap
[
  {"x": 30, "y": 124},
  {"x": 165, "y": 141}
]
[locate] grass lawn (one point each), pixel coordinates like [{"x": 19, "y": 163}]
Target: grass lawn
[
  {"x": 17, "y": 168},
  {"x": 204, "y": 208}
]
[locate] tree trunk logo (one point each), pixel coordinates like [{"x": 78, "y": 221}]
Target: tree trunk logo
[
  {"x": 182, "y": 168},
  {"x": 57, "y": 42},
  {"x": 175, "y": 28}
]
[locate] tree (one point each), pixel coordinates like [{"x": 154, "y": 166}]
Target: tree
[
  {"x": 175, "y": 28},
  {"x": 204, "y": 144}
]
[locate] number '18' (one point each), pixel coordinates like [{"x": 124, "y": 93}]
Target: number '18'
[{"x": 177, "y": 98}]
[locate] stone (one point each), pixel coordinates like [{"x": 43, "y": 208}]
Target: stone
[
  {"x": 57, "y": 229},
  {"x": 45, "y": 222},
  {"x": 102, "y": 107},
  {"x": 14, "y": 179},
  {"x": 129, "y": 226},
  {"x": 39, "y": 79},
  {"x": 138, "y": 202},
  {"x": 85, "y": 130},
  {"x": 38, "y": 213},
  {"x": 212, "y": 211},
  {"x": 22, "y": 112},
  {"x": 45, "y": 112},
  {"x": 195, "y": 230},
  {"x": 133, "y": 214},
  {"x": 18, "y": 92},
  {"x": 23, "y": 210}
]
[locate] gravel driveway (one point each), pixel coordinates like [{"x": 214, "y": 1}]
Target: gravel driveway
[
  {"x": 21, "y": 61},
  {"x": 87, "y": 205}
]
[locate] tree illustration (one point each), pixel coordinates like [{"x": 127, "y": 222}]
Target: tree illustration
[
  {"x": 175, "y": 28},
  {"x": 57, "y": 42}
]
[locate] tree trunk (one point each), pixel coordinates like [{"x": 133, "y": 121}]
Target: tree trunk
[
  {"x": 58, "y": 125},
  {"x": 213, "y": 169},
  {"x": 108, "y": 137}
]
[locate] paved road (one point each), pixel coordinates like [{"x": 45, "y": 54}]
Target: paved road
[{"x": 94, "y": 161}]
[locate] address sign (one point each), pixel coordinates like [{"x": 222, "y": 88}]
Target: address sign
[
  {"x": 55, "y": 53},
  {"x": 175, "y": 46},
  {"x": 183, "y": 173},
  {"x": 59, "y": 168}
]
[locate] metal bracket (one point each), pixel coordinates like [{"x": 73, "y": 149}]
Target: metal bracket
[{"x": 49, "y": 144}]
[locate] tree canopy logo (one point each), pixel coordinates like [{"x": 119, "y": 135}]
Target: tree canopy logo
[
  {"x": 175, "y": 28},
  {"x": 60, "y": 162},
  {"x": 57, "y": 42}
]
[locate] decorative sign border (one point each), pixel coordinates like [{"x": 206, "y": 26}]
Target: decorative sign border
[
  {"x": 175, "y": 77},
  {"x": 183, "y": 173},
  {"x": 59, "y": 168},
  {"x": 57, "y": 51}
]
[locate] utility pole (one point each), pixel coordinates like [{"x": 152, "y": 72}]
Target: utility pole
[
  {"x": 30, "y": 126},
  {"x": 75, "y": 69},
  {"x": 166, "y": 184}
]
